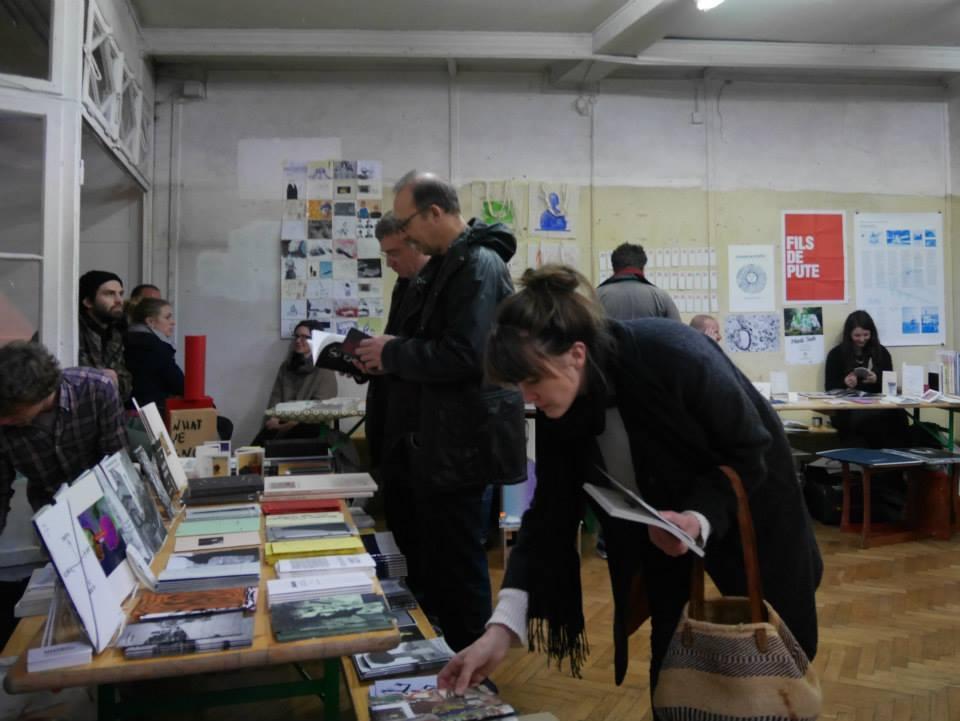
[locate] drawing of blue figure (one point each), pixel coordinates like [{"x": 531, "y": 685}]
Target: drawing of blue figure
[{"x": 554, "y": 217}]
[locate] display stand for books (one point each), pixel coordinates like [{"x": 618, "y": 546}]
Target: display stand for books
[
  {"x": 110, "y": 670},
  {"x": 931, "y": 498}
]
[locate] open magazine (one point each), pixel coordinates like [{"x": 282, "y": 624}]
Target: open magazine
[{"x": 621, "y": 502}]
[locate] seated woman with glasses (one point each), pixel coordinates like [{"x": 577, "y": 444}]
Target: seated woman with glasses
[{"x": 297, "y": 380}]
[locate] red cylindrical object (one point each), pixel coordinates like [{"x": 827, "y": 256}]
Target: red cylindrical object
[{"x": 195, "y": 360}]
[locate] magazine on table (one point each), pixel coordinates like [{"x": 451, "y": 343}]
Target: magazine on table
[{"x": 620, "y": 502}]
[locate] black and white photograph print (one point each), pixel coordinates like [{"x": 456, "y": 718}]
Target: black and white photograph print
[
  {"x": 369, "y": 268},
  {"x": 345, "y": 169},
  {"x": 319, "y": 230}
]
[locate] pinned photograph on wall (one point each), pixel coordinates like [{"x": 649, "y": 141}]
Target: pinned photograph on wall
[
  {"x": 326, "y": 269},
  {"x": 344, "y": 208},
  {"x": 319, "y": 229},
  {"x": 344, "y": 269},
  {"x": 345, "y": 288},
  {"x": 369, "y": 209},
  {"x": 909, "y": 320},
  {"x": 343, "y": 191},
  {"x": 319, "y": 248},
  {"x": 370, "y": 288},
  {"x": 295, "y": 289},
  {"x": 497, "y": 211},
  {"x": 313, "y": 270},
  {"x": 369, "y": 189},
  {"x": 294, "y": 180},
  {"x": 553, "y": 209},
  {"x": 369, "y": 268},
  {"x": 293, "y": 249},
  {"x": 346, "y": 307},
  {"x": 293, "y": 268},
  {"x": 319, "y": 308},
  {"x": 803, "y": 335},
  {"x": 293, "y": 309},
  {"x": 345, "y": 248},
  {"x": 319, "y": 209},
  {"x": 368, "y": 247},
  {"x": 319, "y": 180},
  {"x": 344, "y": 169},
  {"x": 752, "y": 333},
  {"x": 344, "y": 226},
  {"x": 366, "y": 228},
  {"x": 371, "y": 307},
  {"x": 369, "y": 170},
  {"x": 319, "y": 288}
]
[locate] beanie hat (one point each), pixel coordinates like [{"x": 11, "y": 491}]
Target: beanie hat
[{"x": 91, "y": 281}]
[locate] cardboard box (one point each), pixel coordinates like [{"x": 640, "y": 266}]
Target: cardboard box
[{"x": 190, "y": 427}]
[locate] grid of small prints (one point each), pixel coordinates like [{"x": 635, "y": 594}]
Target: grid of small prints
[{"x": 330, "y": 265}]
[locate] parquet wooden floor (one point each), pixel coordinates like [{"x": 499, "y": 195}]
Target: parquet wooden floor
[{"x": 889, "y": 640}]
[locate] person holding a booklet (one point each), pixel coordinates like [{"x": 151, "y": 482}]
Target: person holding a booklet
[
  {"x": 857, "y": 364},
  {"x": 646, "y": 408},
  {"x": 297, "y": 380}
]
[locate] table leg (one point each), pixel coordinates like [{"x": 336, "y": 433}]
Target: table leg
[
  {"x": 106, "y": 702},
  {"x": 955, "y": 492},
  {"x": 865, "y": 534},
  {"x": 845, "y": 510},
  {"x": 331, "y": 689}
]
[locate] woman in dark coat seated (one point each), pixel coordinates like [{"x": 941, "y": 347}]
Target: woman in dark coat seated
[{"x": 150, "y": 353}]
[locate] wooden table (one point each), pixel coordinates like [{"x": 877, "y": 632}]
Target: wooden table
[
  {"x": 829, "y": 406},
  {"x": 111, "y": 668}
]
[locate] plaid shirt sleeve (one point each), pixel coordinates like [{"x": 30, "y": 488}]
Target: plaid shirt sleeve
[{"x": 110, "y": 418}]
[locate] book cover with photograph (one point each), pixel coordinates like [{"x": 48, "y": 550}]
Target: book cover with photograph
[
  {"x": 330, "y": 616},
  {"x": 153, "y": 606}
]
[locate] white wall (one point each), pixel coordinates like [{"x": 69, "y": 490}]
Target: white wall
[{"x": 766, "y": 137}]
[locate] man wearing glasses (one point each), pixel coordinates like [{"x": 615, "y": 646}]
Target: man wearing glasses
[
  {"x": 468, "y": 434},
  {"x": 393, "y": 402}
]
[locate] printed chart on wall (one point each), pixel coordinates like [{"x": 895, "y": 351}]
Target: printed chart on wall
[
  {"x": 899, "y": 275},
  {"x": 814, "y": 257},
  {"x": 751, "y": 278},
  {"x": 330, "y": 266}
]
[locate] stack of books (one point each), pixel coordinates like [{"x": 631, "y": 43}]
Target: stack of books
[
  {"x": 329, "y": 616},
  {"x": 36, "y": 598},
  {"x": 173, "y": 636},
  {"x": 318, "y": 505},
  {"x": 397, "y": 593},
  {"x": 407, "y": 658},
  {"x": 292, "y": 526},
  {"x": 222, "y": 489},
  {"x": 318, "y": 487},
  {"x": 361, "y": 519},
  {"x": 476, "y": 704},
  {"x": 326, "y": 564},
  {"x": 391, "y": 563},
  {"x": 60, "y": 655},
  {"x": 219, "y": 528},
  {"x": 203, "y": 571},
  {"x": 308, "y": 588},
  {"x": 306, "y": 548},
  {"x": 154, "y": 606}
]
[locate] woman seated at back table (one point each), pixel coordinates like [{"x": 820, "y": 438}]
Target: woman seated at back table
[
  {"x": 857, "y": 364},
  {"x": 298, "y": 380}
]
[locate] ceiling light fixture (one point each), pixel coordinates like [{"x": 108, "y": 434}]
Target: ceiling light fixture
[{"x": 705, "y": 5}]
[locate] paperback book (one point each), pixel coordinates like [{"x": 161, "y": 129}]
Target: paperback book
[
  {"x": 330, "y": 616},
  {"x": 154, "y": 606},
  {"x": 174, "y": 635},
  {"x": 475, "y": 704},
  {"x": 407, "y": 658}
]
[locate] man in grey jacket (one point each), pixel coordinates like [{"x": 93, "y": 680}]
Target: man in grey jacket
[{"x": 627, "y": 294}]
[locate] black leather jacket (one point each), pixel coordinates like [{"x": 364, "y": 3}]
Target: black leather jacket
[{"x": 470, "y": 434}]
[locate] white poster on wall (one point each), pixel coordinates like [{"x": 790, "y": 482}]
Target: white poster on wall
[
  {"x": 899, "y": 276},
  {"x": 751, "y": 278}
]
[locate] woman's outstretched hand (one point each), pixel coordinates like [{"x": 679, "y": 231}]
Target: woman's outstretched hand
[{"x": 477, "y": 661}]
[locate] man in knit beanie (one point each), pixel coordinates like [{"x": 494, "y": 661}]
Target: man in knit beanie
[{"x": 101, "y": 337}]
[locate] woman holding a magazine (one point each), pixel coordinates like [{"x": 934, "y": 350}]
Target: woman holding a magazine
[{"x": 635, "y": 418}]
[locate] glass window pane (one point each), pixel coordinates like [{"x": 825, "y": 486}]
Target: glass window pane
[
  {"x": 22, "y": 140},
  {"x": 25, "y": 38},
  {"x": 19, "y": 299}
]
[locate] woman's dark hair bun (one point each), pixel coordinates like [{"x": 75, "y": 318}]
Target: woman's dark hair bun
[{"x": 551, "y": 279}]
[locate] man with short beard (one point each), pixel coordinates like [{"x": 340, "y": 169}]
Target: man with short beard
[{"x": 101, "y": 335}]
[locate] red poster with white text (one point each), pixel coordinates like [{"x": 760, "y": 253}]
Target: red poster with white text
[{"x": 814, "y": 257}]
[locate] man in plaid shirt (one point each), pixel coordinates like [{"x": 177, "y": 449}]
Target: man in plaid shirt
[{"x": 54, "y": 424}]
